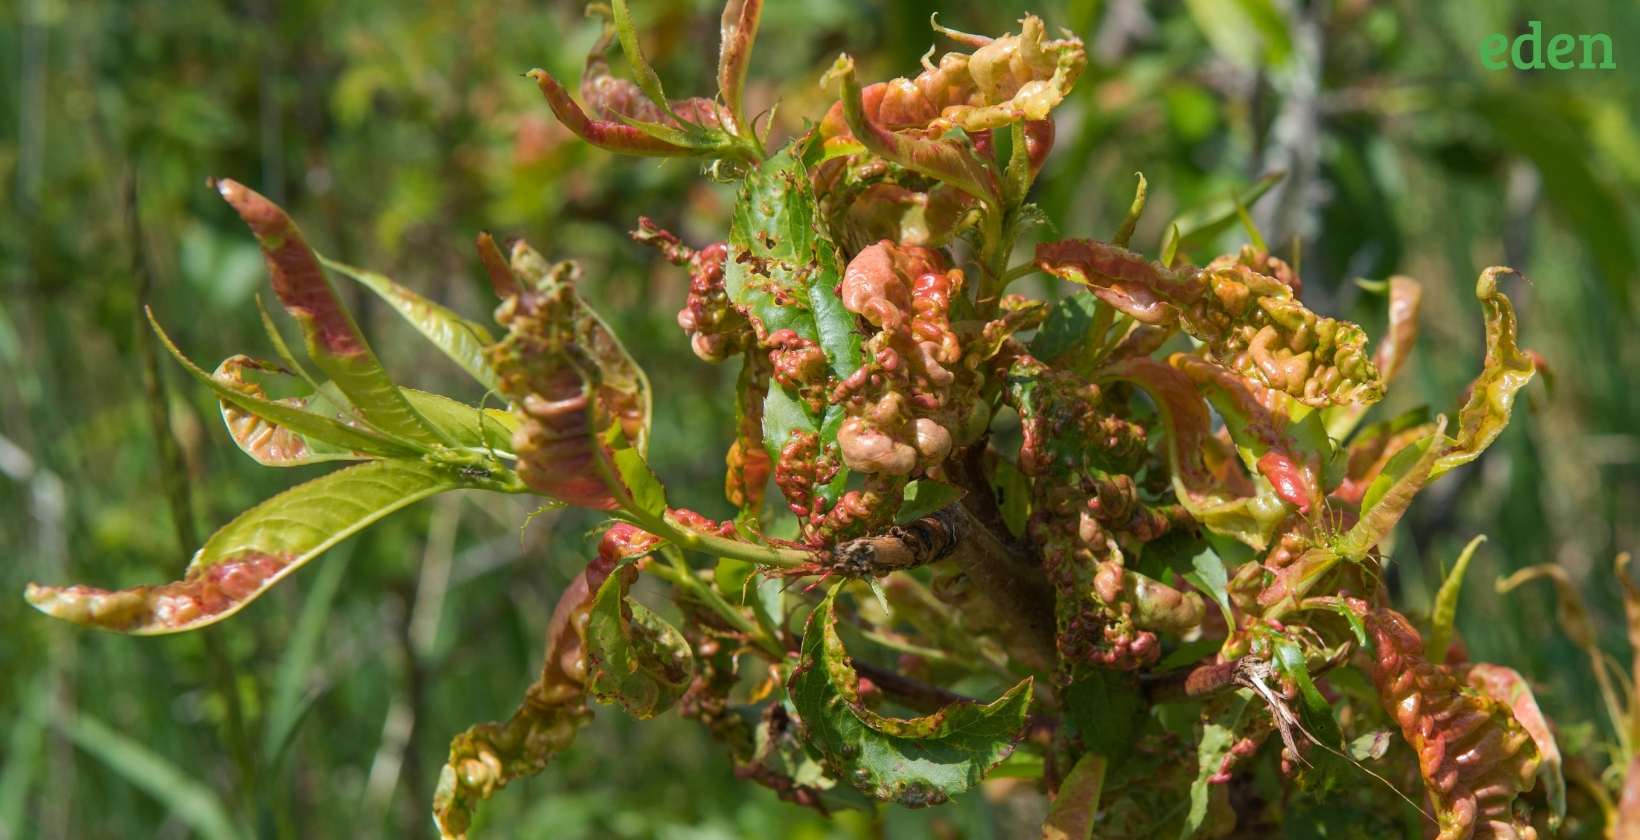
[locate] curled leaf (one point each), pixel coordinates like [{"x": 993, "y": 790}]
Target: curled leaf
[
  {"x": 1276, "y": 437},
  {"x": 579, "y": 397},
  {"x": 1506, "y": 370},
  {"x": 950, "y": 161},
  {"x": 916, "y": 762},
  {"x": 1006, "y": 80},
  {"x": 1394, "y": 347},
  {"x": 1473, "y": 754},
  {"x": 488, "y": 756},
  {"x": 738, "y": 31},
  {"x": 1507, "y": 686},
  {"x": 1146, "y": 291},
  {"x": 1406, "y": 297},
  {"x": 1222, "y": 499}
]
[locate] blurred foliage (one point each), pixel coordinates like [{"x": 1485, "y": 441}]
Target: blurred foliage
[{"x": 395, "y": 132}]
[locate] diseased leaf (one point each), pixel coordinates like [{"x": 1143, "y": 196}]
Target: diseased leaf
[
  {"x": 1507, "y": 686},
  {"x": 274, "y": 445},
  {"x": 785, "y": 274},
  {"x": 266, "y": 442},
  {"x": 781, "y": 266},
  {"x": 309, "y": 425},
  {"x": 257, "y": 549},
  {"x": 1146, "y": 291},
  {"x": 457, "y": 337},
  {"x": 635, "y": 659},
  {"x": 1071, "y": 815},
  {"x": 1474, "y": 756},
  {"x": 916, "y": 762},
  {"x": 1219, "y": 497},
  {"x": 1394, "y": 347},
  {"x": 1506, "y": 370},
  {"x": 605, "y": 134},
  {"x": 1277, "y": 437},
  {"x": 333, "y": 340}
]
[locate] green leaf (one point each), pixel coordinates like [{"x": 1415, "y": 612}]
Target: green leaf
[
  {"x": 460, "y": 339},
  {"x": 186, "y": 798},
  {"x": 1327, "y": 765},
  {"x": 257, "y": 549},
  {"x": 915, "y": 762},
  {"x": 333, "y": 340},
  {"x": 1391, "y": 492},
  {"x": 1445, "y": 612},
  {"x": 628, "y": 477},
  {"x": 1108, "y": 711},
  {"x": 1492, "y": 395},
  {"x": 648, "y": 80},
  {"x": 469, "y": 427},
  {"x": 1071, "y": 816},
  {"x": 1067, "y": 326},
  {"x": 739, "y": 583},
  {"x": 923, "y": 497},
  {"x": 1125, "y": 233},
  {"x": 1210, "y": 576},
  {"x": 1218, "y": 735},
  {"x": 1198, "y": 227},
  {"x": 1013, "y": 492},
  {"x": 307, "y": 424},
  {"x": 635, "y": 659}
]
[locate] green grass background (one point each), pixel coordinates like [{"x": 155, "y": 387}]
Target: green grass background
[{"x": 395, "y": 131}]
